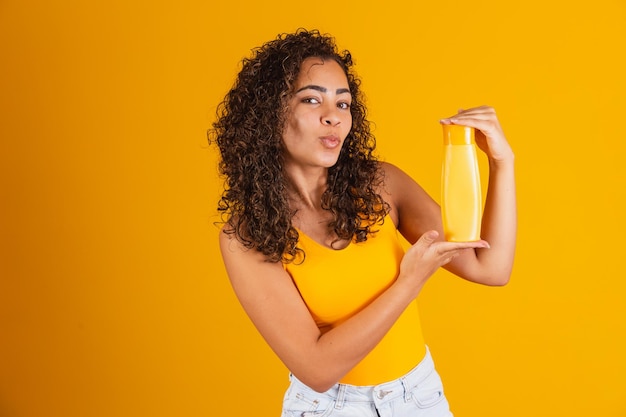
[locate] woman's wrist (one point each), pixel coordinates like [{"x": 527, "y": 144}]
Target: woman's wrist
[
  {"x": 408, "y": 286},
  {"x": 502, "y": 162}
]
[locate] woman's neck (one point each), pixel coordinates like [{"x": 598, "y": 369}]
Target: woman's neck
[{"x": 305, "y": 189}]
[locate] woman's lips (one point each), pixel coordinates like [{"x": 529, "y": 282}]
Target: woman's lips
[{"x": 330, "y": 141}]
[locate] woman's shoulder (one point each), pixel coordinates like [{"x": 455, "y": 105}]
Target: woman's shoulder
[
  {"x": 389, "y": 189},
  {"x": 404, "y": 195},
  {"x": 394, "y": 178},
  {"x": 239, "y": 256},
  {"x": 230, "y": 242},
  {"x": 389, "y": 169}
]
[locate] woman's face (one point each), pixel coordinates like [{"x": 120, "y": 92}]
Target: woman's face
[{"x": 318, "y": 116}]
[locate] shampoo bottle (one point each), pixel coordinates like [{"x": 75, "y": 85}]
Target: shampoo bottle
[{"x": 460, "y": 185}]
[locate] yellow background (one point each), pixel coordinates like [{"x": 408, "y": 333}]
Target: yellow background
[{"x": 113, "y": 299}]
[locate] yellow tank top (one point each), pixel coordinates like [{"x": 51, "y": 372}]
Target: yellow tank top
[{"x": 336, "y": 284}]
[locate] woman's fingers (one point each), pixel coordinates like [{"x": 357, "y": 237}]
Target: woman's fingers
[
  {"x": 489, "y": 135},
  {"x": 429, "y": 253}
]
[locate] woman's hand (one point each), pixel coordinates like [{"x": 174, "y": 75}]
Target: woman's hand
[
  {"x": 489, "y": 135},
  {"x": 428, "y": 254}
]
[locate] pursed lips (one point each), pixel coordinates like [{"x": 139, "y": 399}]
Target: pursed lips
[{"x": 330, "y": 141}]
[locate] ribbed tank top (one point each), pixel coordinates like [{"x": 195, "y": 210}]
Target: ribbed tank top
[{"x": 336, "y": 284}]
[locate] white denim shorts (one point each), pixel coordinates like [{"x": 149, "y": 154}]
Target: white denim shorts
[{"x": 419, "y": 393}]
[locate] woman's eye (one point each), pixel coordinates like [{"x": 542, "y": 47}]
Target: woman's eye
[
  {"x": 344, "y": 105},
  {"x": 311, "y": 100}
]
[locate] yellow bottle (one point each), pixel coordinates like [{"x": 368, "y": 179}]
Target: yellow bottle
[{"x": 461, "y": 205}]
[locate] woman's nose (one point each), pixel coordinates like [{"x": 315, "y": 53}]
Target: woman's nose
[{"x": 330, "y": 118}]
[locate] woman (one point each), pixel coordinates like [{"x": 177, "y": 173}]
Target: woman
[{"x": 310, "y": 239}]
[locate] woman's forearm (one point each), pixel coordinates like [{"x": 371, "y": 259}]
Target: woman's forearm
[{"x": 499, "y": 223}]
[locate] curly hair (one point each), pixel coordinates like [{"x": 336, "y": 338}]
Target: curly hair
[{"x": 248, "y": 132}]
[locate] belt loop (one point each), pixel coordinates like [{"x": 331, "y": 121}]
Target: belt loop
[
  {"x": 341, "y": 395},
  {"x": 405, "y": 386}
]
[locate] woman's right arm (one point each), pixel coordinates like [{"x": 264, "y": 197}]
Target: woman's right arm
[{"x": 273, "y": 303}]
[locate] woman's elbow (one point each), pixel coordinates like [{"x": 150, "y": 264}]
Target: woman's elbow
[
  {"x": 491, "y": 278},
  {"x": 497, "y": 279},
  {"x": 322, "y": 387},
  {"x": 500, "y": 281},
  {"x": 316, "y": 380}
]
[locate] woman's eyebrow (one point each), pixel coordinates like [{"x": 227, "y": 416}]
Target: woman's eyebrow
[{"x": 323, "y": 89}]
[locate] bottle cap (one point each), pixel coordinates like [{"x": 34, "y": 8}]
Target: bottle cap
[{"x": 458, "y": 135}]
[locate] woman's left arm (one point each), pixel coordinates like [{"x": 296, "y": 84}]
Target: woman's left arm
[{"x": 416, "y": 212}]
